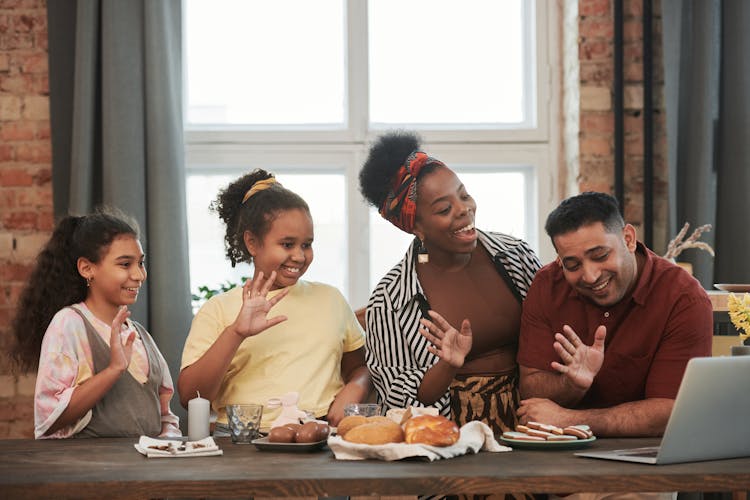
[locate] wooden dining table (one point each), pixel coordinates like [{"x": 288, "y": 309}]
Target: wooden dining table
[{"x": 112, "y": 468}]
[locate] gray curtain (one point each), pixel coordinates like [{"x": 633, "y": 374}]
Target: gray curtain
[
  {"x": 116, "y": 120},
  {"x": 707, "y": 98}
]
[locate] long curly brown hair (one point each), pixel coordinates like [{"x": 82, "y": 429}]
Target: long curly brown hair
[
  {"x": 55, "y": 282},
  {"x": 254, "y": 215}
]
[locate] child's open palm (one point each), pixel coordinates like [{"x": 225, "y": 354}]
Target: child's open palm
[
  {"x": 120, "y": 351},
  {"x": 253, "y": 316}
]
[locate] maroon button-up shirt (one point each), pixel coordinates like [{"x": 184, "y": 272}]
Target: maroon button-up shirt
[{"x": 651, "y": 333}]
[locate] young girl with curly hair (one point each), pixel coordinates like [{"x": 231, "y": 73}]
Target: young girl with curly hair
[
  {"x": 313, "y": 345},
  {"x": 100, "y": 373}
]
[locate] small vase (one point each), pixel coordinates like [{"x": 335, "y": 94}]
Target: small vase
[{"x": 740, "y": 350}]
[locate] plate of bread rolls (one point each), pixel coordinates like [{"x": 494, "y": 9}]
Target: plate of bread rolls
[
  {"x": 537, "y": 435},
  {"x": 413, "y": 432},
  {"x": 431, "y": 430}
]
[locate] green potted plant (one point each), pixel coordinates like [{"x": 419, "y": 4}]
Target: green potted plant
[{"x": 205, "y": 292}]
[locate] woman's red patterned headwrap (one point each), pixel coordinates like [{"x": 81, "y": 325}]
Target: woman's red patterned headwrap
[{"x": 400, "y": 206}]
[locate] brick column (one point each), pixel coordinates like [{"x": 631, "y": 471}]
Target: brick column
[
  {"x": 25, "y": 185},
  {"x": 596, "y": 137}
]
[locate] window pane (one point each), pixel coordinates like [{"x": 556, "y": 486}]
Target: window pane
[
  {"x": 501, "y": 200},
  {"x": 326, "y": 196},
  {"x": 447, "y": 62},
  {"x": 388, "y": 245},
  {"x": 502, "y": 207},
  {"x": 324, "y": 193},
  {"x": 266, "y": 62},
  {"x": 208, "y": 263}
]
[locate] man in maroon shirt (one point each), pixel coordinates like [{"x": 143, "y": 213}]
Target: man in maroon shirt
[{"x": 608, "y": 327}]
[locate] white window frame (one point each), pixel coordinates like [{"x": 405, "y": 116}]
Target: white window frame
[{"x": 210, "y": 150}]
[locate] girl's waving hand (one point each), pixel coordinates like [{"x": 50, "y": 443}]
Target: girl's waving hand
[
  {"x": 120, "y": 350},
  {"x": 252, "y": 318}
]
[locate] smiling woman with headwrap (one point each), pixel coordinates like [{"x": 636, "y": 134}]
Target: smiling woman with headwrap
[{"x": 475, "y": 280}]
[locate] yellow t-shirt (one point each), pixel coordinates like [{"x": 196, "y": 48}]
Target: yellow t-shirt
[{"x": 301, "y": 354}]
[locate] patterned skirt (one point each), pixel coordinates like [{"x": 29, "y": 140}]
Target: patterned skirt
[
  {"x": 489, "y": 399},
  {"x": 492, "y": 400}
]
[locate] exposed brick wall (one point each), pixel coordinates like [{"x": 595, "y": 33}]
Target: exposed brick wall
[
  {"x": 596, "y": 137},
  {"x": 25, "y": 184}
]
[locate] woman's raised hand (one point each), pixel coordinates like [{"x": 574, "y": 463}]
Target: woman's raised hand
[
  {"x": 120, "y": 351},
  {"x": 449, "y": 344},
  {"x": 252, "y": 318}
]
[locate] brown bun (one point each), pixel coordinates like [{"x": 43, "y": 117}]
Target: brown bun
[
  {"x": 323, "y": 431},
  {"x": 432, "y": 430},
  {"x": 308, "y": 433},
  {"x": 294, "y": 427},
  {"x": 281, "y": 434},
  {"x": 376, "y": 433},
  {"x": 348, "y": 423}
]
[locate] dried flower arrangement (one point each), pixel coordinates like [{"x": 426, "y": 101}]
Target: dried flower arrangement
[
  {"x": 739, "y": 314},
  {"x": 677, "y": 245}
]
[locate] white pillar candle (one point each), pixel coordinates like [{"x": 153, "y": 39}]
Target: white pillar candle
[{"x": 199, "y": 411}]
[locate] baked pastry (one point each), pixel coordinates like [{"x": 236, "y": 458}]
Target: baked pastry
[
  {"x": 434, "y": 430},
  {"x": 537, "y": 431},
  {"x": 579, "y": 431},
  {"x": 378, "y": 432},
  {"x": 521, "y": 436},
  {"x": 562, "y": 437},
  {"x": 348, "y": 423}
]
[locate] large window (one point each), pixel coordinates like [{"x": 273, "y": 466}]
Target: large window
[{"x": 302, "y": 87}]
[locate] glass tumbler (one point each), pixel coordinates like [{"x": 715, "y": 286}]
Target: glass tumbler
[{"x": 244, "y": 421}]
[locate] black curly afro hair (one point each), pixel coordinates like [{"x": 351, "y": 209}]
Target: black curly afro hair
[{"x": 385, "y": 158}]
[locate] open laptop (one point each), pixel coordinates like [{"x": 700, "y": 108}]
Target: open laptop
[{"x": 710, "y": 419}]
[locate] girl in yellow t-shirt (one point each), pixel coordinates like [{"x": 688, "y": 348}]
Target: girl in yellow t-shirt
[{"x": 248, "y": 345}]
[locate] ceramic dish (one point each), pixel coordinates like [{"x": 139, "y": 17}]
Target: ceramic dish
[
  {"x": 265, "y": 445},
  {"x": 548, "y": 445},
  {"x": 732, "y": 287}
]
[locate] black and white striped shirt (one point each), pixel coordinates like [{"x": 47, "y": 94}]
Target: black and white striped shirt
[{"x": 397, "y": 354}]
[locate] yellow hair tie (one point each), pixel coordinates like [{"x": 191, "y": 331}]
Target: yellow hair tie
[{"x": 259, "y": 186}]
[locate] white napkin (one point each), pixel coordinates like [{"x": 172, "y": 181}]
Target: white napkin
[
  {"x": 475, "y": 436},
  {"x": 164, "y": 448}
]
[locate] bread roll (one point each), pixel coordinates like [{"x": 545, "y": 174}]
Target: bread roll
[
  {"x": 380, "y": 432},
  {"x": 348, "y": 423},
  {"x": 434, "y": 430}
]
